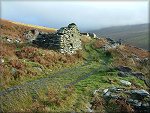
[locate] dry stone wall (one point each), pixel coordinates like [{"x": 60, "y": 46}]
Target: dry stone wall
[
  {"x": 69, "y": 39},
  {"x": 65, "y": 40}
]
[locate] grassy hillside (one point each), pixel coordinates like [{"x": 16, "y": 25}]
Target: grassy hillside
[
  {"x": 137, "y": 35},
  {"x": 41, "y": 80},
  {"x": 20, "y": 62},
  {"x": 15, "y": 30},
  {"x": 71, "y": 89}
]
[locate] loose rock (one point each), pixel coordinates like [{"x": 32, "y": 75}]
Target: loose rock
[
  {"x": 142, "y": 93},
  {"x": 123, "y": 69},
  {"x": 126, "y": 83},
  {"x": 138, "y": 75}
]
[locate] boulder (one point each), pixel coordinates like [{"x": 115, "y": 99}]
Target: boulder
[
  {"x": 147, "y": 82},
  {"x": 146, "y": 104},
  {"x": 9, "y": 40},
  {"x": 113, "y": 89},
  {"x": 31, "y": 35},
  {"x": 92, "y": 35},
  {"x": 130, "y": 97},
  {"x": 2, "y": 60},
  {"x": 18, "y": 41},
  {"x": 110, "y": 40},
  {"x": 39, "y": 69},
  {"x": 89, "y": 110},
  {"x": 105, "y": 91},
  {"x": 95, "y": 92},
  {"x": 107, "y": 94},
  {"x": 123, "y": 74},
  {"x": 140, "y": 93},
  {"x": 145, "y": 62},
  {"x": 13, "y": 71},
  {"x": 138, "y": 75},
  {"x": 123, "y": 69},
  {"x": 126, "y": 83},
  {"x": 136, "y": 103}
]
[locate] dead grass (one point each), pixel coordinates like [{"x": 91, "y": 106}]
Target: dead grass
[
  {"x": 100, "y": 43},
  {"x": 18, "y": 59},
  {"x": 15, "y": 30},
  {"x": 53, "y": 101},
  {"x": 15, "y": 63},
  {"x": 98, "y": 104},
  {"x": 119, "y": 106},
  {"x": 129, "y": 50},
  {"x": 85, "y": 39},
  {"x": 7, "y": 49},
  {"x": 48, "y": 58},
  {"x": 123, "y": 55}
]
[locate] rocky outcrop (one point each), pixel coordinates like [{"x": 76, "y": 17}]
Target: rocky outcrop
[
  {"x": 31, "y": 35},
  {"x": 126, "y": 83},
  {"x": 125, "y": 71},
  {"x": 92, "y": 35},
  {"x": 137, "y": 99},
  {"x": 110, "y": 44},
  {"x": 145, "y": 62},
  {"x": 65, "y": 40},
  {"x": 11, "y": 40}
]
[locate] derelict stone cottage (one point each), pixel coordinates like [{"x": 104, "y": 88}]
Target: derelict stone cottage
[{"x": 65, "y": 40}]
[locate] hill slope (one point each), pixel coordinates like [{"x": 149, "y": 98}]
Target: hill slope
[
  {"x": 15, "y": 30},
  {"x": 136, "y": 35},
  {"x": 35, "y": 79},
  {"x": 20, "y": 60}
]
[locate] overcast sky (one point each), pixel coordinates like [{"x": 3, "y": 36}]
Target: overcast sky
[{"x": 88, "y": 15}]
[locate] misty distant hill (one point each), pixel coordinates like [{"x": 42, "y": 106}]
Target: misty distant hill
[{"x": 137, "y": 35}]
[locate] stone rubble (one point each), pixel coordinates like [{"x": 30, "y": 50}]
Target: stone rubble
[
  {"x": 9, "y": 39},
  {"x": 139, "y": 99},
  {"x": 125, "y": 71},
  {"x": 111, "y": 44}
]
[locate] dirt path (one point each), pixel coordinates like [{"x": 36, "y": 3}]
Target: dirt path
[
  {"x": 38, "y": 81},
  {"x": 65, "y": 77},
  {"x": 81, "y": 78}
]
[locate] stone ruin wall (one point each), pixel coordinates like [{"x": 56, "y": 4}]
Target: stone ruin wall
[
  {"x": 69, "y": 39},
  {"x": 65, "y": 40}
]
